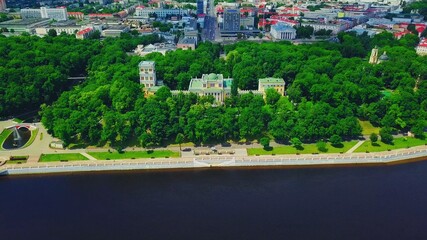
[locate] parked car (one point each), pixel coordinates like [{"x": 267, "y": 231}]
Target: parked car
[{"x": 186, "y": 149}]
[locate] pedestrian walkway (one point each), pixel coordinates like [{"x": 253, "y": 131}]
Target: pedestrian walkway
[
  {"x": 358, "y": 144},
  {"x": 33, "y": 158},
  {"x": 88, "y": 156}
]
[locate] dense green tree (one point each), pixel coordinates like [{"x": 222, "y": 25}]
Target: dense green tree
[
  {"x": 321, "y": 146},
  {"x": 418, "y": 129},
  {"x": 386, "y": 136},
  {"x": 335, "y": 140},
  {"x": 373, "y": 137},
  {"x": 52, "y": 33},
  {"x": 329, "y": 86},
  {"x": 296, "y": 142},
  {"x": 179, "y": 139},
  {"x": 265, "y": 142},
  {"x": 272, "y": 96},
  {"x": 304, "y": 31}
]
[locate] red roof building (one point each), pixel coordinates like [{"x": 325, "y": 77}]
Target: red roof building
[
  {"x": 76, "y": 15},
  {"x": 399, "y": 35},
  {"x": 83, "y": 34},
  {"x": 422, "y": 47},
  {"x": 100, "y": 15}
]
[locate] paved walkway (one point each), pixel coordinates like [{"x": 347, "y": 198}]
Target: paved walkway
[
  {"x": 415, "y": 153},
  {"x": 88, "y": 156},
  {"x": 355, "y": 146}
]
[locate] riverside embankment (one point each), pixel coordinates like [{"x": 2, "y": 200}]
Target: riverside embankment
[{"x": 380, "y": 158}]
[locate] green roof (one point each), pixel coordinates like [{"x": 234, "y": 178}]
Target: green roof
[
  {"x": 154, "y": 88},
  {"x": 271, "y": 80},
  {"x": 228, "y": 82},
  {"x": 212, "y": 76},
  {"x": 195, "y": 84}
]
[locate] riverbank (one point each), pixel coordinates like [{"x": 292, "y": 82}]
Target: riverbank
[{"x": 302, "y": 160}]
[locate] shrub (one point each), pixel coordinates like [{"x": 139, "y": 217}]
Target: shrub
[{"x": 321, "y": 146}]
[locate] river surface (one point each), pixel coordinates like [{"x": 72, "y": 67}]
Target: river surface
[{"x": 318, "y": 203}]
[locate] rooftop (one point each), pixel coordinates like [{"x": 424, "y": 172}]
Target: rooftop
[
  {"x": 197, "y": 83},
  {"x": 187, "y": 41},
  {"x": 423, "y": 43},
  {"x": 282, "y": 27},
  {"x": 145, "y": 63},
  {"x": 21, "y": 22},
  {"x": 271, "y": 80},
  {"x": 384, "y": 57},
  {"x": 84, "y": 31}
]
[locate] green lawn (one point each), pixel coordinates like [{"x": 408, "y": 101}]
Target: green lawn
[
  {"x": 367, "y": 128},
  {"x": 398, "y": 143},
  {"x": 187, "y": 144},
  {"x": 15, "y": 161},
  {"x": 17, "y": 120},
  {"x": 32, "y": 138},
  {"x": 308, "y": 148},
  {"x": 62, "y": 157},
  {"x": 3, "y": 135},
  {"x": 134, "y": 154}
]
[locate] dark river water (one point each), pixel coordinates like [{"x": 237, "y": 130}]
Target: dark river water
[{"x": 319, "y": 203}]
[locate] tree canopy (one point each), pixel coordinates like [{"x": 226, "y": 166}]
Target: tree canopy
[{"x": 329, "y": 87}]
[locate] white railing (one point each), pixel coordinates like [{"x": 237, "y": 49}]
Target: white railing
[{"x": 303, "y": 159}]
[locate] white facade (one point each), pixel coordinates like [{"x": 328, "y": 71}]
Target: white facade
[
  {"x": 335, "y": 28},
  {"x": 85, "y": 33},
  {"x": 390, "y": 2},
  {"x": 283, "y": 32},
  {"x": 422, "y": 48},
  {"x": 41, "y": 31},
  {"x": 162, "y": 48},
  {"x": 160, "y": 12},
  {"x": 147, "y": 74},
  {"x": 30, "y": 13},
  {"x": 59, "y": 14}
]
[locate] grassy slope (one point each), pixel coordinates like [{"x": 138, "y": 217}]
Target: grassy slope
[
  {"x": 32, "y": 138},
  {"x": 308, "y": 148},
  {"x": 398, "y": 143},
  {"x": 3, "y": 135},
  {"x": 367, "y": 128},
  {"x": 62, "y": 156},
  {"x": 17, "y": 120},
  {"x": 134, "y": 154}
]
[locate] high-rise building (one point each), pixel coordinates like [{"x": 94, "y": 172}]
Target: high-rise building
[
  {"x": 28, "y": 13},
  {"x": 231, "y": 20},
  {"x": 200, "y": 6},
  {"x": 2, "y": 5},
  {"x": 147, "y": 74},
  {"x": 59, "y": 14}
]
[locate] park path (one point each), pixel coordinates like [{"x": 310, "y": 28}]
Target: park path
[
  {"x": 88, "y": 156},
  {"x": 358, "y": 144}
]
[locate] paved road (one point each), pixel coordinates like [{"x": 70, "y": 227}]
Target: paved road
[{"x": 210, "y": 31}]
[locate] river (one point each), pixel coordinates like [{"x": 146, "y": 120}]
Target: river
[{"x": 312, "y": 203}]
